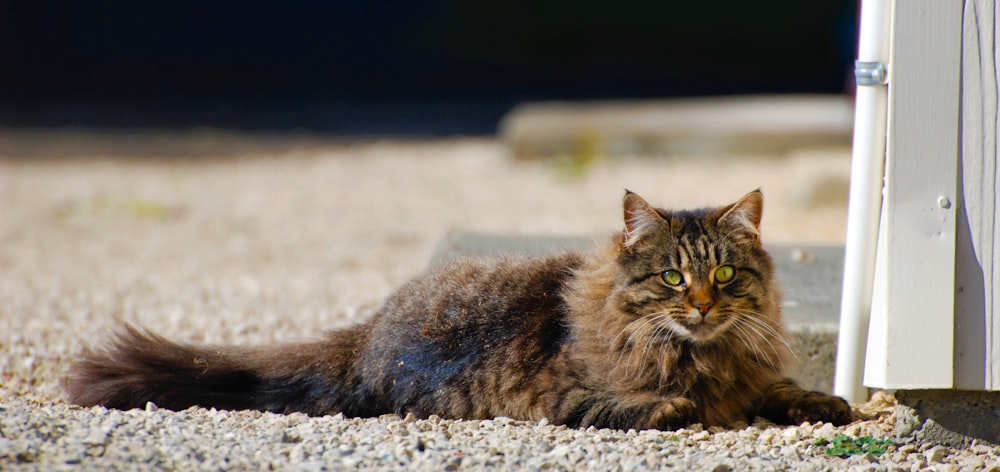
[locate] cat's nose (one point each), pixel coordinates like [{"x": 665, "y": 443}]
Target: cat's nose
[{"x": 703, "y": 306}]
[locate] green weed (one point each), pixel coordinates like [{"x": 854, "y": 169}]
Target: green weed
[{"x": 846, "y": 446}]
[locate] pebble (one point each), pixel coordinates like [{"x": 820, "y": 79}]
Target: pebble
[
  {"x": 791, "y": 435},
  {"x": 54, "y": 435},
  {"x": 701, "y": 435},
  {"x": 297, "y": 287},
  {"x": 561, "y": 450},
  {"x": 936, "y": 454},
  {"x": 973, "y": 463},
  {"x": 827, "y": 431}
]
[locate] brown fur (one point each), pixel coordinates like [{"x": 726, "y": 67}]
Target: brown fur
[{"x": 597, "y": 338}]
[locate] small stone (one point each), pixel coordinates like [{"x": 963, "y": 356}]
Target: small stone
[
  {"x": 97, "y": 436},
  {"x": 827, "y": 431},
  {"x": 866, "y": 458},
  {"x": 792, "y": 453},
  {"x": 388, "y": 418},
  {"x": 767, "y": 437},
  {"x": 561, "y": 450},
  {"x": 701, "y": 435},
  {"x": 6, "y": 446},
  {"x": 973, "y": 463},
  {"x": 936, "y": 454}
]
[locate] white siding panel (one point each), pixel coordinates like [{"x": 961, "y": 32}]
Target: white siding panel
[{"x": 977, "y": 308}]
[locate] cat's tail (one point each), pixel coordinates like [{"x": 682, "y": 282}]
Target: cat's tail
[{"x": 137, "y": 367}]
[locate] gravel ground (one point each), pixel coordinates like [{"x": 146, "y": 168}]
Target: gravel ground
[{"x": 269, "y": 240}]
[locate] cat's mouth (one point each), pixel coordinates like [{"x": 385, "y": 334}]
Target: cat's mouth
[{"x": 700, "y": 328}]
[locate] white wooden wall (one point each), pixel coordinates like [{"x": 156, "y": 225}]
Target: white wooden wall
[
  {"x": 935, "y": 321},
  {"x": 977, "y": 307}
]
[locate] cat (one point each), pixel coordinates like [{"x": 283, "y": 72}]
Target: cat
[{"x": 674, "y": 321}]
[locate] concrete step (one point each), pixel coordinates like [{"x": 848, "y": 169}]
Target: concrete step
[
  {"x": 810, "y": 276},
  {"x": 770, "y": 124}
]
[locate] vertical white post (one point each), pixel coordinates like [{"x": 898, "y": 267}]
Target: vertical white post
[
  {"x": 864, "y": 205},
  {"x": 911, "y": 343}
]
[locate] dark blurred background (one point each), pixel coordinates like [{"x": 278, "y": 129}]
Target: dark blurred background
[{"x": 397, "y": 67}]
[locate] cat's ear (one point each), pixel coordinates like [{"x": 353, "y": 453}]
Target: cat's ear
[
  {"x": 641, "y": 219},
  {"x": 742, "y": 219}
]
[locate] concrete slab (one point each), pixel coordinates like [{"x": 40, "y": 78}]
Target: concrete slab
[
  {"x": 811, "y": 278},
  {"x": 745, "y": 124},
  {"x": 951, "y": 417}
]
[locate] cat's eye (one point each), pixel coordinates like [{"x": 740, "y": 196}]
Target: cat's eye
[
  {"x": 672, "y": 277},
  {"x": 724, "y": 274}
]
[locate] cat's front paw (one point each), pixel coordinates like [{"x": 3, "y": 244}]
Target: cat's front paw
[
  {"x": 816, "y": 407},
  {"x": 673, "y": 413}
]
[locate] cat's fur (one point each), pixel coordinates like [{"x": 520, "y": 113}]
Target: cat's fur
[{"x": 597, "y": 338}]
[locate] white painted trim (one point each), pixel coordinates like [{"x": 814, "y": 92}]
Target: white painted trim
[
  {"x": 921, "y": 168},
  {"x": 875, "y": 372}
]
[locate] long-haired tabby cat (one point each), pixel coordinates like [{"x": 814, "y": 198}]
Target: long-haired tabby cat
[{"x": 672, "y": 322}]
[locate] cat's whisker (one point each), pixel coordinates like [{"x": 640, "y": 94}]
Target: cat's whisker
[
  {"x": 620, "y": 347},
  {"x": 754, "y": 326},
  {"x": 758, "y": 353},
  {"x": 648, "y": 331},
  {"x": 629, "y": 343},
  {"x": 768, "y": 329},
  {"x": 660, "y": 327},
  {"x": 748, "y": 323},
  {"x": 670, "y": 337},
  {"x": 639, "y": 327},
  {"x": 656, "y": 326},
  {"x": 632, "y": 329},
  {"x": 741, "y": 333},
  {"x": 758, "y": 319}
]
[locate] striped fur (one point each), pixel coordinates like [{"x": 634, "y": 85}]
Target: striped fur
[{"x": 594, "y": 338}]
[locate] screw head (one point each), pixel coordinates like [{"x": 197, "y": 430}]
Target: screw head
[{"x": 943, "y": 202}]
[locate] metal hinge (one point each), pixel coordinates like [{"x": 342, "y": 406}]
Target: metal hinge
[{"x": 869, "y": 73}]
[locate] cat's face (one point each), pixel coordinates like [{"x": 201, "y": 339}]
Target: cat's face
[{"x": 699, "y": 276}]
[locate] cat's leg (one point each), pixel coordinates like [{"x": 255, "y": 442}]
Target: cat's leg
[
  {"x": 785, "y": 402},
  {"x": 584, "y": 408}
]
